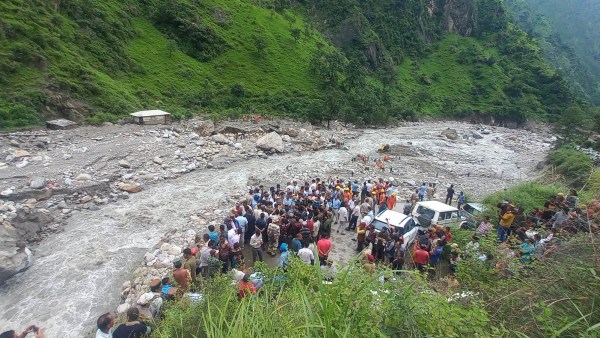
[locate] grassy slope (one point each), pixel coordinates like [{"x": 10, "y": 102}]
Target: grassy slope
[
  {"x": 284, "y": 64},
  {"x": 161, "y": 75},
  {"x": 113, "y": 58}
]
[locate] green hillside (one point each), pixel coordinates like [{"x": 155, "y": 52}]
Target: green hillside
[
  {"x": 365, "y": 61},
  {"x": 569, "y": 34}
]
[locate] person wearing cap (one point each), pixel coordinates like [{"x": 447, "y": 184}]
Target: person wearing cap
[
  {"x": 133, "y": 328},
  {"x": 150, "y": 303},
  {"x": 284, "y": 257},
  {"x": 369, "y": 265}
]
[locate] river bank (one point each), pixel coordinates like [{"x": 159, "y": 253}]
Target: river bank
[{"x": 190, "y": 180}]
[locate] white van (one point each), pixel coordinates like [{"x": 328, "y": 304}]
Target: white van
[{"x": 430, "y": 213}]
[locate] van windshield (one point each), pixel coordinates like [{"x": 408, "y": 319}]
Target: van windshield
[{"x": 469, "y": 208}]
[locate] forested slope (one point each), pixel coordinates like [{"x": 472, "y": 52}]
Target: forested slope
[
  {"x": 569, "y": 33},
  {"x": 365, "y": 61}
]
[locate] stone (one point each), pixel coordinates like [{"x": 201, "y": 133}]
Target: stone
[
  {"x": 238, "y": 146},
  {"x": 194, "y": 136},
  {"x": 204, "y": 128},
  {"x": 7, "y": 192},
  {"x": 221, "y": 139},
  {"x": 62, "y": 205},
  {"x": 476, "y": 135},
  {"x": 130, "y": 188},
  {"x": 22, "y": 164},
  {"x": 124, "y": 164},
  {"x": 15, "y": 257},
  {"x": 83, "y": 177},
  {"x": 122, "y": 308},
  {"x": 157, "y": 160},
  {"x": 67, "y": 156},
  {"x": 286, "y": 138},
  {"x": 21, "y": 153},
  {"x": 149, "y": 257},
  {"x": 450, "y": 134},
  {"x": 270, "y": 142},
  {"x": 486, "y": 131},
  {"x": 3, "y": 166},
  {"x": 292, "y": 132},
  {"x": 174, "y": 250},
  {"x": 60, "y": 124},
  {"x": 37, "y": 183}
]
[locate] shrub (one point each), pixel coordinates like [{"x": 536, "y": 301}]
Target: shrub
[
  {"x": 572, "y": 164},
  {"x": 297, "y": 303}
]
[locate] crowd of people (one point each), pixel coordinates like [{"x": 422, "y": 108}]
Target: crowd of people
[
  {"x": 295, "y": 220},
  {"x": 520, "y": 233}
]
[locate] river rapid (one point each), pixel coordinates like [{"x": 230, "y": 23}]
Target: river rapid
[{"x": 78, "y": 273}]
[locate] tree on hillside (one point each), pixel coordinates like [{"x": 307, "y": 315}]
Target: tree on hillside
[
  {"x": 420, "y": 98},
  {"x": 171, "y": 47},
  {"x": 571, "y": 120},
  {"x": 296, "y": 33},
  {"x": 328, "y": 65},
  {"x": 334, "y": 105},
  {"x": 260, "y": 43}
]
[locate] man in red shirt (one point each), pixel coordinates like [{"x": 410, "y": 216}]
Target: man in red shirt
[
  {"x": 420, "y": 257},
  {"x": 324, "y": 246}
]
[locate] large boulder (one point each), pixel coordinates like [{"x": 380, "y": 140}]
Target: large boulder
[
  {"x": 220, "y": 139},
  {"x": 14, "y": 256},
  {"x": 451, "y": 134},
  {"x": 204, "y": 128},
  {"x": 270, "y": 142}
]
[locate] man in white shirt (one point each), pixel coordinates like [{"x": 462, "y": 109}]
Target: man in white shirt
[
  {"x": 243, "y": 223},
  {"x": 233, "y": 236},
  {"x": 105, "y": 322},
  {"x": 342, "y": 218},
  {"x": 306, "y": 254}
]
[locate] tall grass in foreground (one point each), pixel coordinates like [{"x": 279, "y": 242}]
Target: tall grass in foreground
[{"x": 298, "y": 304}]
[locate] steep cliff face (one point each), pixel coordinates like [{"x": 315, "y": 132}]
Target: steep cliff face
[{"x": 457, "y": 16}]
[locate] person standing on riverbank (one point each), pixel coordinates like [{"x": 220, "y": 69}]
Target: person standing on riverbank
[
  {"x": 190, "y": 263},
  {"x": 182, "y": 276},
  {"x": 449, "y": 194}
]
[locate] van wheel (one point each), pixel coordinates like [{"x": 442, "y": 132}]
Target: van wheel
[{"x": 464, "y": 225}]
